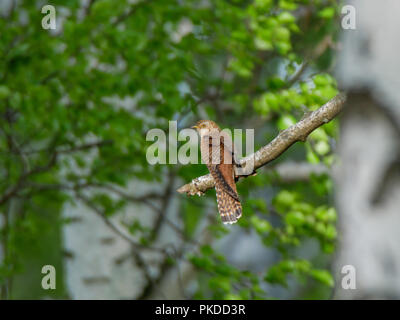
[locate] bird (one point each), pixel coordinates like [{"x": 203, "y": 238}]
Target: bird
[{"x": 217, "y": 153}]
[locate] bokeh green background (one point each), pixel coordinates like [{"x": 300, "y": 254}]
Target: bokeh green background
[{"x": 245, "y": 64}]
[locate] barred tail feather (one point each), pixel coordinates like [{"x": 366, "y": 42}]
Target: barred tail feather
[{"x": 229, "y": 208}]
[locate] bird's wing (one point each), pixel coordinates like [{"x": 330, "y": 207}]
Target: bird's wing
[
  {"x": 223, "y": 177},
  {"x": 225, "y": 141},
  {"x": 221, "y": 167}
]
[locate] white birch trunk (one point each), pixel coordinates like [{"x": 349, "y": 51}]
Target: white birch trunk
[
  {"x": 368, "y": 180},
  {"x": 99, "y": 263}
]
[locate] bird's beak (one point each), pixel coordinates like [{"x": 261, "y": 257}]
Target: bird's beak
[{"x": 194, "y": 127}]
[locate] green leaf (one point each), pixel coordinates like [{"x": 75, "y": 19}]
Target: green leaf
[
  {"x": 294, "y": 218},
  {"x": 260, "y": 225},
  {"x": 323, "y": 276},
  {"x": 327, "y": 13},
  {"x": 286, "y": 121},
  {"x": 4, "y": 92}
]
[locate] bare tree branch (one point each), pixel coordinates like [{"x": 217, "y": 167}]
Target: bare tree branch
[
  {"x": 72, "y": 149},
  {"x": 268, "y": 153},
  {"x": 129, "y": 12},
  {"x": 116, "y": 228},
  {"x": 88, "y": 7}
]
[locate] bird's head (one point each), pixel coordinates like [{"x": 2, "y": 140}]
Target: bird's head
[{"x": 205, "y": 126}]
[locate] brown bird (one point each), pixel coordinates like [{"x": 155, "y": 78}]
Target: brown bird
[{"x": 218, "y": 154}]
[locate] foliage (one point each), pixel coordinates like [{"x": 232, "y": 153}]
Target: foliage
[{"x": 76, "y": 104}]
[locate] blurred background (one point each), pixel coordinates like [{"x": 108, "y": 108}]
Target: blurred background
[{"x": 76, "y": 190}]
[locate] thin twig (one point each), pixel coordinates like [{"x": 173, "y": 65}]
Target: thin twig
[{"x": 114, "y": 227}]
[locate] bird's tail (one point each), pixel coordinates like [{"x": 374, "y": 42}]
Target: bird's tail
[{"x": 229, "y": 208}]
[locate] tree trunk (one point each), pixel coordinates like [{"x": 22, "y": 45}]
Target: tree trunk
[
  {"x": 99, "y": 263},
  {"x": 368, "y": 179}
]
